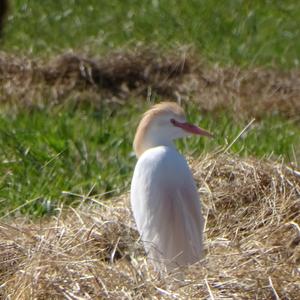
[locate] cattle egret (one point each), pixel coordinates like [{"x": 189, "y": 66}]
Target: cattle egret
[{"x": 164, "y": 197}]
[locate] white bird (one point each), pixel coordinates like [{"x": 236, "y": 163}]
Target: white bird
[{"x": 164, "y": 197}]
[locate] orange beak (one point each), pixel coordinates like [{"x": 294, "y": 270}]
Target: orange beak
[{"x": 191, "y": 128}]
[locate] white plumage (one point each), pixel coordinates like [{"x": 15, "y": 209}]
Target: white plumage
[{"x": 164, "y": 197}]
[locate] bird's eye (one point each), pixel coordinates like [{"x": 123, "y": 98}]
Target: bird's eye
[{"x": 173, "y": 121}]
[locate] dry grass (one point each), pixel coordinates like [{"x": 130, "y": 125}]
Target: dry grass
[
  {"x": 144, "y": 72},
  {"x": 113, "y": 78},
  {"x": 252, "y": 243}
]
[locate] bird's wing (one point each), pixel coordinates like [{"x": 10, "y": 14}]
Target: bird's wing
[
  {"x": 167, "y": 210},
  {"x": 184, "y": 223}
]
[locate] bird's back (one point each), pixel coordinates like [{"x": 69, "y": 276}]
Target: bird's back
[{"x": 166, "y": 207}]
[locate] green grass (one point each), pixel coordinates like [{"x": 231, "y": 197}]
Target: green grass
[
  {"x": 44, "y": 153},
  {"x": 228, "y": 32}
]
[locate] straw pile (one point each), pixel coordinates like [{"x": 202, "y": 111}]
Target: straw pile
[
  {"x": 142, "y": 73},
  {"x": 252, "y": 241}
]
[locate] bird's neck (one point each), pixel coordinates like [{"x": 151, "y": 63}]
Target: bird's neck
[
  {"x": 156, "y": 143},
  {"x": 152, "y": 140}
]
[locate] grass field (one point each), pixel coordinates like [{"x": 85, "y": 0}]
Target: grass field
[
  {"x": 232, "y": 32},
  {"x": 88, "y": 149},
  {"x": 44, "y": 153},
  {"x": 66, "y": 129}
]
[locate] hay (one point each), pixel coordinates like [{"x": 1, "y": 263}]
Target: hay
[
  {"x": 252, "y": 242},
  {"x": 144, "y": 73}
]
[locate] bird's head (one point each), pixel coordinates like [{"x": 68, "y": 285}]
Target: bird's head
[{"x": 160, "y": 125}]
